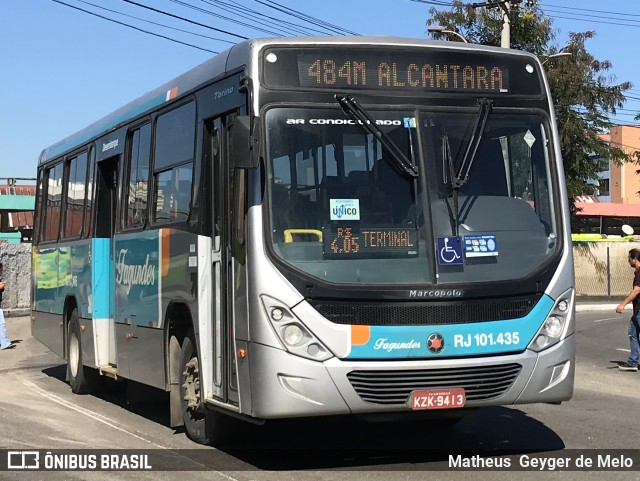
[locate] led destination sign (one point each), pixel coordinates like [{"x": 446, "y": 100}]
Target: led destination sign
[
  {"x": 409, "y": 69},
  {"x": 367, "y": 242},
  {"x": 342, "y": 71}
]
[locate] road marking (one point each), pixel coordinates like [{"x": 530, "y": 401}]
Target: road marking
[
  {"x": 623, "y": 350},
  {"x": 109, "y": 422},
  {"x": 98, "y": 417},
  {"x": 66, "y": 440},
  {"x": 607, "y": 319}
]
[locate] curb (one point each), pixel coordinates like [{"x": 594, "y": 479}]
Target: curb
[
  {"x": 17, "y": 312},
  {"x": 599, "y": 307}
]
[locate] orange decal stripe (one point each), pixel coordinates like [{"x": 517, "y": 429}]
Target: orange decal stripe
[
  {"x": 172, "y": 94},
  {"x": 360, "y": 335},
  {"x": 166, "y": 251}
]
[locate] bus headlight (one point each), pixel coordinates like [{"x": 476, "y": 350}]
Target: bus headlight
[
  {"x": 554, "y": 328},
  {"x": 293, "y": 334},
  {"x": 277, "y": 314}
]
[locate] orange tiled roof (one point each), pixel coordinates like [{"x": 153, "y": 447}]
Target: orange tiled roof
[{"x": 607, "y": 209}]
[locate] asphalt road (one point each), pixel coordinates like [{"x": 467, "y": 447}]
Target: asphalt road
[{"x": 38, "y": 411}]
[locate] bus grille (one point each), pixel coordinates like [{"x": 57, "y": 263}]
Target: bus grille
[
  {"x": 423, "y": 313},
  {"x": 394, "y": 387}
]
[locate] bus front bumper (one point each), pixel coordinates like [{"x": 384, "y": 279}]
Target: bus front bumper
[{"x": 284, "y": 385}]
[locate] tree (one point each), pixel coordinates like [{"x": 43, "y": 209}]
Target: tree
[
  {"x": 584, "y": 97},
  {"x": 584, "y": 94},
  {"x": 530, "y": 30}
]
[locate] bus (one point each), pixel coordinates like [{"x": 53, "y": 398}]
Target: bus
[{"x": 316, "y": 226}]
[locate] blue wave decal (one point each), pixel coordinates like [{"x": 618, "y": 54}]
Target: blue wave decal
[
  {"x": 137, "y": 278},
  {"x": 453, "y": 340},
  {"x": 102, "y": 279}
]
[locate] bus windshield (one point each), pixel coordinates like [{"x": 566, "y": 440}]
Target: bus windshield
[{"x": 342, "y": 209}]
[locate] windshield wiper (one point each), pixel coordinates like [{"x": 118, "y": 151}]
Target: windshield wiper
[
  {"x": 472, "y": 147},
  {"x": 451, "y": 180},
  {"x": 457, "y": 179},
  {"x": 355, "y": 111}
]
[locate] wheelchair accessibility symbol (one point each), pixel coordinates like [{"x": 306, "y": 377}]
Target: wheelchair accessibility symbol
[{"x": 449, "y": 251}]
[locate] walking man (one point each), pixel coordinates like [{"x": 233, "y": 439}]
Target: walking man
[
  {"x": 634, "y": 326},
  {"x": 5, "y": 343}
]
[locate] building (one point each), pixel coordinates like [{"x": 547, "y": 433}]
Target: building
[
  {"x": 617, "y": 199},
  {"x": 17, "y": 201},
  {"x": 624, "y": 181}
]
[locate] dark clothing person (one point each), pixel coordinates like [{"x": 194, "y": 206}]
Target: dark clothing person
[{"x": 634, "y": 322}]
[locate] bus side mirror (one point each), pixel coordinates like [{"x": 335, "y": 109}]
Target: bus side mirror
[{"x": 246, "y": 144}]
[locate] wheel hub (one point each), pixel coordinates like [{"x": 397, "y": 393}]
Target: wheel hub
[{"x": 191, "y": 386}]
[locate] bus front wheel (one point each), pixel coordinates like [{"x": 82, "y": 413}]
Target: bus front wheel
[
  {"x": 82, "y": 379},
  {"x": 199, "y": 423}
]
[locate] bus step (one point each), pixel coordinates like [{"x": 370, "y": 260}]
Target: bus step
[{"x": 109, "y": 371}]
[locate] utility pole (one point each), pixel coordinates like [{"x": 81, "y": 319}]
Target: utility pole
[
  {"x": 505, "y": 8},
  {"x": 505, "y": 37}
]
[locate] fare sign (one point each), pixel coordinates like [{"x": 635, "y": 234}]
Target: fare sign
[{"x": 354, "y": 241}]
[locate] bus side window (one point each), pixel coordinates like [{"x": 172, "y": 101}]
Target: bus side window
[
  {"x": 75, "y": 195},
  {"x": 173, "y": 163},
  {"x": 88, "y": 206},
  {"x": 181, "y": 186},
  {"x": 39, "y": 213},
  {"x": 173, "y": 194},
  {"x": 53, "y": 203},
  {"x": 139, "y": 147}
]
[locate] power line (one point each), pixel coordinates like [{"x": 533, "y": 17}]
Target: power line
[
  {"x": 305, "y": 17},
  {"x": 223, "y": 17},
  {"x": 600, "y": 20},
  {"x": 434, "y": 2},
  {"x": 570, "y": 12},
  {"x": 596, "y": 11},
  {"x": 154, "y": 23},
  {"x": 312, "y": 19},
  {"x": 282, "y": 20},
  {"x": 227, "y": 6},
  {"x": 264, "y": 18},
  {"x": 133, "y": 27},
  {"x": 185, "y": 19}
]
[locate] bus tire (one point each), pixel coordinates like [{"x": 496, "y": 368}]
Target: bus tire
[
  {"x": 82, "y": 379},
  {"x": 199, "y": 423}
]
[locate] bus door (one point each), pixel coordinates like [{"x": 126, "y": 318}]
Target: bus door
[
  {"x": 217, "y": 161},
  {"x": 102, "y": 260}
]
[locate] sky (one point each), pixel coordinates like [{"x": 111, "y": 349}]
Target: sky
[{"x": 61, "y": 69}]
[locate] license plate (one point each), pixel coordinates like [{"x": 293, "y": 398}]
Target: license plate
[{"x": 437, "y": 399}]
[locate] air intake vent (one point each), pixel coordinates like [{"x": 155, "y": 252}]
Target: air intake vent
[
  {"x": 425, "y": 313},
  {"x": 394, "y": 387}
]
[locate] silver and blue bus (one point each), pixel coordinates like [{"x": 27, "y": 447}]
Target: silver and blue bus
[{"x": 316, "y": 226}]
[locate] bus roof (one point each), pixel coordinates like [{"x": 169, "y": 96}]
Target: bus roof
[{"x": 229, "y": 60}]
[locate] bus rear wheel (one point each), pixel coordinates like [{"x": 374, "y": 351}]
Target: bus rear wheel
[
  {"x": 82, "y": 379},
  {"x": 200, "y": 423}
]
